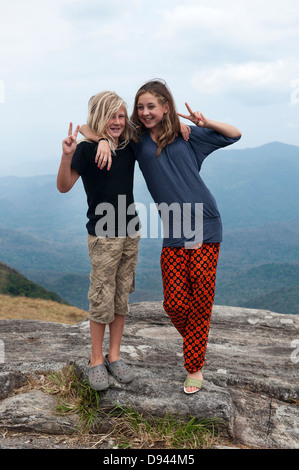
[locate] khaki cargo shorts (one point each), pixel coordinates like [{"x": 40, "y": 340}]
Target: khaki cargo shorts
[{"x": 112, "y": 277}]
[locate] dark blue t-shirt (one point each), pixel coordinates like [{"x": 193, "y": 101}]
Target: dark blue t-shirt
[
  {"x": 111, "y": 209},
  {"x": 173, "y": 178}
]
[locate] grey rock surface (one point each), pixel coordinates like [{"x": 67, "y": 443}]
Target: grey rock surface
[{"x": 250, "y": 378}]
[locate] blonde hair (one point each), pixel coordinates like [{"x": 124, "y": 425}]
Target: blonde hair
[
  {"x": 170, "y": 125},
  {"x": 101, "y": 108}
]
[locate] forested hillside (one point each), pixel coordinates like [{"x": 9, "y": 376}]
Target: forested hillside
[{"x": 15, "y": 284}]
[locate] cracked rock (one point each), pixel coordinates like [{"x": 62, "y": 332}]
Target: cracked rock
[{"x": 250, "y": 378}]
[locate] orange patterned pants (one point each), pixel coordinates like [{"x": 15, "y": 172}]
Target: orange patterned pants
[{"x": 189, "y": 277}]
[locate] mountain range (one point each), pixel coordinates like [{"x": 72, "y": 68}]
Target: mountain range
[{"x": 43, "y": 234}]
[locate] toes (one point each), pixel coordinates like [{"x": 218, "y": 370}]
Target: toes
[{"x": 191, "y": 389}]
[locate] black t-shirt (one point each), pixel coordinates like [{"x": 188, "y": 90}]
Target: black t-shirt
[{"x": 111, "y": 209}]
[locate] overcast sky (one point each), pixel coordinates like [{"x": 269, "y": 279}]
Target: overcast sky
[{"x": 236, "y": 61}]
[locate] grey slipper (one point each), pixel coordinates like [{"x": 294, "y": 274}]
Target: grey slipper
[
  {"x": 120, "y": 370},
  {"x": 98, "y": 377}
]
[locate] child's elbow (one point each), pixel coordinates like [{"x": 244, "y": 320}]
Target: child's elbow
[
  {"x": 237, "y": 134},
  {"x": 62, "y": 188}
]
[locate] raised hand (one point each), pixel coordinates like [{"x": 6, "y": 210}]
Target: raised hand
[
  {"x": 69, "y": 144},
  {"x": 195, "y": 116}
]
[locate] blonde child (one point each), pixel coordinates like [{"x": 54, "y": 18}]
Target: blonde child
[{"x": 113, "y": 246}]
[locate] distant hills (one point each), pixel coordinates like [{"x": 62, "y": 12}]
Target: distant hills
[
  {"x": 21, "y": 298},
  {"x": 255, "y": 186},
  {"x": 270, "y": 286},
  {"x": 43, "y": 235},
  {"x": 15, "y": 284}
]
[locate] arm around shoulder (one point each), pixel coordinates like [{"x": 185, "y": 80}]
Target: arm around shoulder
[
  {"x": 103, "y": 155},
  {"x": 88, "y": 133}
]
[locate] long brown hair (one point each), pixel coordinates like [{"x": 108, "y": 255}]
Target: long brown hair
[{"x": 170, "y": 125}]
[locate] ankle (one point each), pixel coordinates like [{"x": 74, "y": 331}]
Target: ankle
[
  {"x": 113, "y": 356},
  {"x": 95, "y": 360},
  {"x": 195, "y": 375}
]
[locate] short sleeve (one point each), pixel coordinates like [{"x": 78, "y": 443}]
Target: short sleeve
[
  {"x": 79, "y": 161},
  {"x": 205, "y": 141}
]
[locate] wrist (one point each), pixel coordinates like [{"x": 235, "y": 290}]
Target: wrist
[
  {"x": 208, "y": 123},
  {"x": 102, "y": 138},
  {"x": 67, "y": 156}
]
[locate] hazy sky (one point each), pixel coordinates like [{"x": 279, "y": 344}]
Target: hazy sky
[{"x": 236, "y": 61}]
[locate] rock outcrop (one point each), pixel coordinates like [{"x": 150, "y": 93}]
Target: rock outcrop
[{"x": 250, "y": 379}]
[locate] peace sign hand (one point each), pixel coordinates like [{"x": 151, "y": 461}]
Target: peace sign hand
[
  {"x": 69, "y": 144},
  {"x": 196, "y": 117}
]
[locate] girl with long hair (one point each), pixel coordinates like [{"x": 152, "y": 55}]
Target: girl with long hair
[{"x": 171, "y": 168}]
